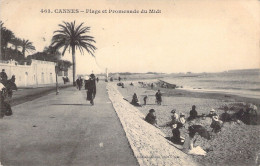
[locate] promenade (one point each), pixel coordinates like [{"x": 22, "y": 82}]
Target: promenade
[{"x": 65, "y": 130}]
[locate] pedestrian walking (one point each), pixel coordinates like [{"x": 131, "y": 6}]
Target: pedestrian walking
[
  {"x": 158, "y": 97},
  {"x": 91, "y": 89}
]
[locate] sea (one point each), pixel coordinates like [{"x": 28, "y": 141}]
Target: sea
[{"x": 244, "y": 83}]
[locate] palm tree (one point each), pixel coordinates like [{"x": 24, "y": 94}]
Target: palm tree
[
  {"x": 27, "y": 46},
  {"x": 6, "y": 36},
  {"x": 17, "y": 43},
  {"x": 73, "y": 37},
  {"x": 52, "y": 53}
]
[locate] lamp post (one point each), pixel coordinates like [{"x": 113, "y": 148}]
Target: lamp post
[{"x": 57, "y": 84}]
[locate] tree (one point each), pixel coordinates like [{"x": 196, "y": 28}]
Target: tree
[
  {"x": 17, "y": 43},
  {"x": 27, "y": 47},
  {"x": 6, "y": 36},
  {"x": 74, "y": 37}
]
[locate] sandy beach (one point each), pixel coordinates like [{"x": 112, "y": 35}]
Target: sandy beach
[{"x": 236, "y": 144}]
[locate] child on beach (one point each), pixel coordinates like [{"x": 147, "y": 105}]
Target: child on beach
[{"x": 145, "y": 98}]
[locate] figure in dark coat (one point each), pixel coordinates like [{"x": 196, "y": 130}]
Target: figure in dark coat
[
  {"x": 79, "y": 83},
  {"x": 150, "y": 117},
  {"x": 91, "y": 89},
  {"x": 152, "y": 86},
  {"x": 135, "y": 101},
  {"x": 5, "y": 107},
  {"x": 225, "y": 117},
  {"x": 3, "y": 76},
  {"x": 158, "y": 97},
  {"x": 176, "y": 135},
  {"x": 193, "y": 113},
  {"x": 200, "y": 130}
]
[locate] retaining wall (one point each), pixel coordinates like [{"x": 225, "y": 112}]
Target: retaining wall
[{"x": 147, "y": 142}]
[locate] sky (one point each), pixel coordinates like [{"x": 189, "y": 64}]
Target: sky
[{"x": 185, "y": 36}]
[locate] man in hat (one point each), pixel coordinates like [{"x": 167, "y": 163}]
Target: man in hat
[
  {"x": 151, "y": 118},
  {"x": 91, "y": 93}
]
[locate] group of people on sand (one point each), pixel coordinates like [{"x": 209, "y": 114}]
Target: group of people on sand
[
  {"x": 179, "y": 121},
  {"x": 158, "y": 99}
]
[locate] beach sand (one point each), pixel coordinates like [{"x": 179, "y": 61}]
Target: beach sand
[{"x": 236, "y": 144}]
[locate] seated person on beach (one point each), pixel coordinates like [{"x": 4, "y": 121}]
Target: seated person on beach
[
  {"x": 174, "y": 116},
  {"x": 216, "y": 124},
  {"x": 212, "y": 113},
  {"x": 225, "y": 117},
  {"x": 182, "y": 119},
  {"x": 135, "y": 100},
  {"x": 151, "y": 118},
  {"x": 200, "y": 130},
  {"x": 176, "y": 135},
  {"x": 131, "y": 84},
  {"x": 174, "y": 119},
  {"x": 158, "y": 97},
  {"x": 193, "y": 131},
  {"x": 250, "y": 115},
  {"x": 253, "y": 108},
  {"x": 238, "y": 115},
  {"x": 193, "y": 113}
]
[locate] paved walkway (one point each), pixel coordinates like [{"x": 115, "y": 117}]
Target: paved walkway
[
  {"x": 65, "y": 130},
  {"x": 29, "y": 93}
]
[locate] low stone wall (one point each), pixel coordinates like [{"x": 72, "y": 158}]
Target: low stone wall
[{"x": 147, "y": 142}]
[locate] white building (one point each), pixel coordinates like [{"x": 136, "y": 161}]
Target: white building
[{"x": 38, "y": 73}]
